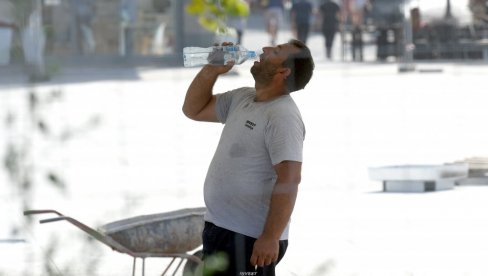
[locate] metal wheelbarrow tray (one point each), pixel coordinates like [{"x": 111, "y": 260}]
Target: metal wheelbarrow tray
[{"x": 170, "y": 234}]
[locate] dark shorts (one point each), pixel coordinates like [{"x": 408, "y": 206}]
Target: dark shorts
[{"x": 236, "y": 249}]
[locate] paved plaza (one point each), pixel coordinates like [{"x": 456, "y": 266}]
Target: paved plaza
[{"x": 142, "y": 156}]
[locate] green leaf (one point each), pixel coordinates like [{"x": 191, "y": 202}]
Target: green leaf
[
  {"x": 208, "y": 23},
  {"x": 195, "y": 7},
  {"x": 33, "y": 100},
  {"x": 212, "y": 13},
  {"x": 242, "y": 8},
  {"x": 11, "y": 161},
  {"x": 237, "y": 8},
  {"x": 10, "y": 119},
  {"x": 56, "y": 181},
  {"x": 43, "y": 128}
]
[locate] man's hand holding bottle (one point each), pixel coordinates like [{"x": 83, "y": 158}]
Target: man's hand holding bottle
[{"x": 216, "y": 60}]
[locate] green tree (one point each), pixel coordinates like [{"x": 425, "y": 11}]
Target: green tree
[
  {"x": 212, "y": 14},
  {"x": 29, "y": 130}
]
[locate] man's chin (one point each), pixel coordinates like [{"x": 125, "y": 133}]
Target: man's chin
[{"x": 255, "y": 70}]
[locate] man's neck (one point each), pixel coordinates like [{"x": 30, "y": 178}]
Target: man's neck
[{"x": 269, "y": 93}]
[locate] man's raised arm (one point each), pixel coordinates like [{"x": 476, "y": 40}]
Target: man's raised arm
[{"x": 199, "y": 102}]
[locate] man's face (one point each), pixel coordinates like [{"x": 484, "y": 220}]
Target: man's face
[{"x": 271, "y": 60}]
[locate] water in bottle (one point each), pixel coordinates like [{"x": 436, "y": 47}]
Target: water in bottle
[{"x": 218, "y": 55}]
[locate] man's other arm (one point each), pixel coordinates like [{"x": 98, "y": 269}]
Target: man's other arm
[{"x": 266, "y": 247}]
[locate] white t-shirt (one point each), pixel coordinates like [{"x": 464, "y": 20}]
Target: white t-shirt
[{"x": 241, "y": 177}]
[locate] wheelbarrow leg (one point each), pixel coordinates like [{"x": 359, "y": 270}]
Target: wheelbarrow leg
[
  {"x": 134, "y": 267},
  {"x": 143, "y": 266},
  {"x": 178, "y": 266},
  {"x": 167, "y": 268}
]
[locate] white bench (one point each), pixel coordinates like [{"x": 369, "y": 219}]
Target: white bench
[{"x": 419, "y": 178}]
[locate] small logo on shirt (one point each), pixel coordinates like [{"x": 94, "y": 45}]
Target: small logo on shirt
[{"x": 250, "y": 124}]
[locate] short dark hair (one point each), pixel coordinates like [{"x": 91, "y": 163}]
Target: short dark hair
[{"x": 301, "y": 65}]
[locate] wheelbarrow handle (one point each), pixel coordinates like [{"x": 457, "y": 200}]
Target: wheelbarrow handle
[
  {"x": 107, "y": 240},
  {"x": 52, "y": 219},
  {"x": 36, "y": 212}
]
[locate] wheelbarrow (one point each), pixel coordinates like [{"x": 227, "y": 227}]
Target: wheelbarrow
[{"x": 164, "y": 235}]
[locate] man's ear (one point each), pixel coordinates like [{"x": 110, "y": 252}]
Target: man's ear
[{"x": 284, "y": 71}]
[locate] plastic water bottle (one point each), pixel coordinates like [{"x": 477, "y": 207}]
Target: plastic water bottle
[{"x": 218, "y": 55}]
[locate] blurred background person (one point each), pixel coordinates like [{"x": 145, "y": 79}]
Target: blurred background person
[
  {"x": 84, "y": 14},
  {"x": 330, "y": 14},
  {"x": 301, "y": 14},
  {"x": 479, "y": 9},
  {"x": 128, "y": 16},
  {"x": 357, "y": 39},
  {"x": 238, "y": 23},
  {"x": 274, "y": 18}
]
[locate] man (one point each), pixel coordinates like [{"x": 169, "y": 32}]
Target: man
[
  {"x": 301, "y": 12},
  {"x": 274, "y": 17},
  {"x": 357, "y": 39},
  {"x": 329, "y": 12},
  {"x": 85, "y": 13},
  {"x": 252, "y": 181},
  {"x": 479, "y": 10},
  {"x": 128, "y": 17}
]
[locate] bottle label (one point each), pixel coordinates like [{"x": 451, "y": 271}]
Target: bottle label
[{"x": 231, "y": 48}]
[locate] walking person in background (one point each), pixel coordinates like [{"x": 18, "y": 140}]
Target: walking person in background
[
  {"x": 274, "y": 18},
  {"x": 252, "y": 181},
  {"x": 84, "y": 14},
  {"x": 301, "y": 14},
  {"x": 330, "y": 14},
  {"x": 238, "y": 23},
  {"x": 357, "y": 39},
  {"x": 479, "y": 11},
  {"x": 128, "y": 16}
]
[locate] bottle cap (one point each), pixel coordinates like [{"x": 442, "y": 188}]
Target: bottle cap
[{"x": 251, "y": 54}]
